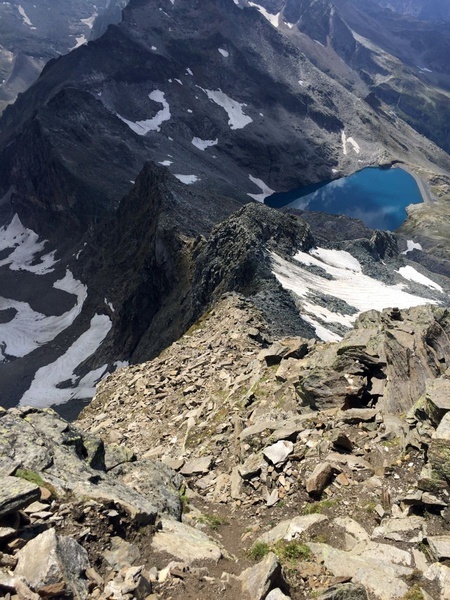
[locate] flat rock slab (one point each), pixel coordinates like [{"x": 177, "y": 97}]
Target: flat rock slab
[
  {"x": 345, "y": 591},
  {"x": 185, "y": 543},
  {"x": 440, "y": 546},
  {"x": 290, "y": 529},
  {"x": 16, "y": 493},
  {"x": 278, "y": 453},
  {"x": 380, "y": 577},
  {"x": 197, "y": 466},
  {"x": 258, "y": 580},
  {"x": 408, "y": 529}
]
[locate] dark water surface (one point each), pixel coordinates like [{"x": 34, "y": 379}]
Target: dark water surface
[{"x": 376, "y": 196}]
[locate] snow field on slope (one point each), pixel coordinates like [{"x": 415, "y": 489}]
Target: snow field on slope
[
  {"x": 265, "y": 189},
  {"x": 153, "y": 124},
  {"x": 25, "y": 246},
  {"x": 44, "y": 391},
  {"x": 29, "y": 329},
  {"x": 348, "y": 284},
  {"x": 237, "y": 119}
]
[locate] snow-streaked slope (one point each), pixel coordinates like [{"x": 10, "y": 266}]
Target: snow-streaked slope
[
  {"x": 343, "y": 279},
  {"x": 153, "y": 124},
  {"x": 25, "y": 249},
  {"x": 44, "y": 390},
  {"x": 29, "y": 329}
]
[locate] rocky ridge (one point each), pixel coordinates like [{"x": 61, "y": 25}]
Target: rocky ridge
[{"x": 239, "y": 464}]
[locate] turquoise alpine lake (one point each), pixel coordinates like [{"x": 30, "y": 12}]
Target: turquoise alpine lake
[{"x": 376, "y": 196}]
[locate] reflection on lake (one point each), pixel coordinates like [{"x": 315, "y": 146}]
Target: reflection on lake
[{"x": 376, "y": 196}]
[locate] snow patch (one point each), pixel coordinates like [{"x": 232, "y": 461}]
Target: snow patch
[
  {"x": 153, "y": 124},
  {"x": 349, "y": 140},
  {"x": 24, "y": 16},
  {"x": 236, "y": 117},
  {"x": 80, "y": 40},
  {"x": 265, "y": 189},
  {"x": 166, "y": 163},
  {"x": 187, "y": 179},
  {"x": 189, "y": 72},
  {"x": 411, "y": 245},
  {"x": 224, "y": 53},
  {"x": 25, "y": 246},
  {"x": 90, "y": 20},
  {"x": 44, "y": 390},
  {"x": 154, "y": 48},
  {"x": 29, "y": 329},
  {"x": 348, "y": 283},
  {"x": 273, "y": 19},
  {"x": 411, "y": 274},
  {"x": 203, "y": 144}
]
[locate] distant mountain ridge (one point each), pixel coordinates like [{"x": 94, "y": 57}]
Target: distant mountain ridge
[{"x": 428, "y": 10}]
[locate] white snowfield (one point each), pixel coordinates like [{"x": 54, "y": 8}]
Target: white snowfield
[
  {"x": 25, "y": 247},
  {"x": 24, "y": 16},
  {"x": 153, "y": 124},
  {"x": 80, "y": 40},
  {"x": 224, "y": 52},
  {"x": 273, "y": 19},
  {"x": 412, "y": 274},
  {"x": 265, "y": 189},
  {"x": 346, "y": 141},
  {"x": 90, "y": 20},
  {"x": 411, "y": 245},
  {"x": 29, "y": 329},
  {"x": 44, "y": 391},
  {"x": 237, "y": 119},
  {"x": 187, "y": 179},
  {"x": 348, "y": 283},
  {"x": 203, "y": 144}
]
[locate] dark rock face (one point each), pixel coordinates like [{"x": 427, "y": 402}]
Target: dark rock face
[{"x": 31, "y": 34}]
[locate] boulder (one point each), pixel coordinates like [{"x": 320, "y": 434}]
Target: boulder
[
  {"x": 51, "y": 559},
  {"x": 316, "y": 483},
  {"x": 439, "y": 450},
  {"x": 278, "y": 453},
  {"x": 16, "y": 493},
  {"x": 291, "y": 528},
  {"x": 440, "y": 546},
  {"x": 257, "y": 581},
  {"x": 185, "y": 543},
  {"x": 121, "y": 554},
  {"x": 197, "y": 466},
  {"x": 345, "y": 591},
  {"x": 382, "y": 578}
]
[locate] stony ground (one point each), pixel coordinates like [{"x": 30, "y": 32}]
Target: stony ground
[{"x": 237, "y": 465}]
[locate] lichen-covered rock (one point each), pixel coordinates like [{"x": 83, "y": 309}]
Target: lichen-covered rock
[
  {"x": 16, "y": 493},
  {"x": 51, "y": 559}
]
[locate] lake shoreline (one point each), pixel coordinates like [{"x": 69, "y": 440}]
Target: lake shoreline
[{"x": 423, "y": 186}]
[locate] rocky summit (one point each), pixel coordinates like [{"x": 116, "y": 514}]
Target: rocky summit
[{"x": 242, "y": 464}]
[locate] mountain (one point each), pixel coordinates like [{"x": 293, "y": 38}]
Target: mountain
[
  {"x": 33, "y": 33},
  {"x": 427, "y": 10},
  {"x": 124, "y": 169}
]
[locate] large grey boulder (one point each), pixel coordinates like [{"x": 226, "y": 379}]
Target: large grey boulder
[
  {"x": 41, "y": 441},
  {"x": 257, "y": 581},
  {"x": 439, "y": 450},
  {"x": 16, "y": 493},
  {"x": 185, "y": 542},
  {"x": 51, "y": 559},
  {"x": 345, "y": 591},
  {"x": 375, "y": 570}
]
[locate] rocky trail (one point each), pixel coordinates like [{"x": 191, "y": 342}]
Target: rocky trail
[{"x": 238, "y": 465}]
